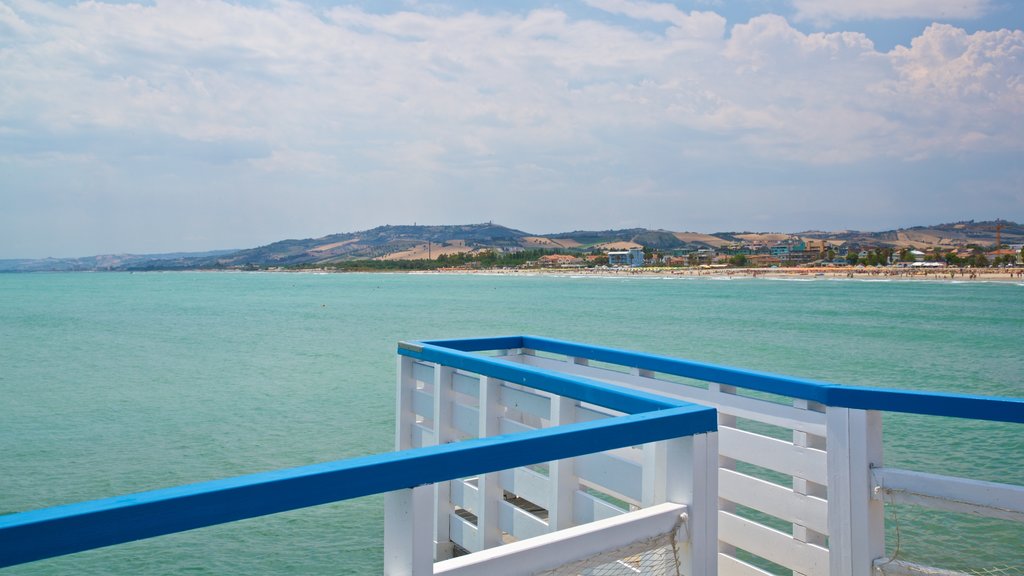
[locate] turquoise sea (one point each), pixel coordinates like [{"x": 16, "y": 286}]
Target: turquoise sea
[{"x": 113, "y": 383}]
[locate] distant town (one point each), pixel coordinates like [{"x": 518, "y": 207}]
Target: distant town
[{"x": 790, "y": 254}]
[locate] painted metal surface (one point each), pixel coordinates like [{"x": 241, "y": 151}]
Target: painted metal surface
[
  {"x": 837, "y": 528},
  {"x": 583, "y": 389},
  {"x": 962, "y": 495},
  {"x": 991, "y": 408}
]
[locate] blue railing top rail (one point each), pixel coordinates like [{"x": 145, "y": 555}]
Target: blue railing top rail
[
  {"x": 46, "y": 533},
  {"x": 585, "y": 389},
  {"x": 454, "y": 352}
]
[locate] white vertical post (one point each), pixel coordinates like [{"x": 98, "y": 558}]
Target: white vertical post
[
  {"x": 690, "y": 467},
  {"x": 868, "y": 424},
  {"x": 653, "y": 475},
  {"x": 443, "y": 433},
  {"x": 658, "y": 471},
  {"x": 404, "y": 416},
  {"x": 489, "y": 491},
  {"x": 407, "y": 520},
  {"x": 856, "y": 522},
  {"x": 562, "y": 480},
  {"x": 703, "y": 520},
  {"x": 724, "y": 462}
]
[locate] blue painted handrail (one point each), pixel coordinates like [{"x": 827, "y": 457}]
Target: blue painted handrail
[
  {"x": 38, "y": 534},
  {"x": 584, "y": 389},
  {"x": 991, "y": 408}
]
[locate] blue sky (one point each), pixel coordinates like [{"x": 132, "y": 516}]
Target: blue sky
[{"x": 188, "y": 125}]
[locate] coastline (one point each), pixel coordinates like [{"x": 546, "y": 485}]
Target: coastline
[{"x": 808, "y": 273}]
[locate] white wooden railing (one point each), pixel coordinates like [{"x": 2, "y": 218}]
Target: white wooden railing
[
  {"x": 541, "y": 517},
  {"x": 801, "y": 481}
]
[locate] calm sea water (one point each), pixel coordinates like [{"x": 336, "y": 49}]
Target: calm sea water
[{"x": 115, "y": 383}]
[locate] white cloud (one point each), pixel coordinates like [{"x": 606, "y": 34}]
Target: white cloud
[
  {"x": 965, "y": 91},
  {"x": 827, "y": 11},
  {"x": 11, "y": 21},
  {"x": 476, "y": 84},
  {"x": 295, "y": 161},
  {"x": 833, "y": 98},
  {"x": 769, "y": 40},
  {"x": 693, "y": 24},
  {"x": 640, "y": 10}
]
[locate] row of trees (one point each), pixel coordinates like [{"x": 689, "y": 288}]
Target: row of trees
[
  {"x": 977, "y": 258},
  {"x": 493, "y": 259},
  {"x": 481, "y": 259}
]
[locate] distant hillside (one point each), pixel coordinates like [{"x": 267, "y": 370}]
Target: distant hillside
[
  {"x": 940, "y": 236},
  {"x": 379, "y": 242},
  {"x": 430, "y": 242},
  {"x": 112, "y": 262}
]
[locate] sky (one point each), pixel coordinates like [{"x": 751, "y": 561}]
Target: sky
[{"x": 193, "y": 125}]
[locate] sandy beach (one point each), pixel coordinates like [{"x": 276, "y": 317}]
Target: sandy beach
[{"x": 935, "y": 274}]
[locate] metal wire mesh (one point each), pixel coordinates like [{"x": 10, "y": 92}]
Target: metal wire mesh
[
  {"x": 902, "y": 568},
  {"x": 655, "y": 557},
  {"x": 998, "y": 571}
]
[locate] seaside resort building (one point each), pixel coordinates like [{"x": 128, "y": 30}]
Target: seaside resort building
[{"x": 634, "y": 257}]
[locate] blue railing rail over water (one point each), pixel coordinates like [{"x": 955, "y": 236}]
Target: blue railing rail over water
[{"x": 46, "y": 533}]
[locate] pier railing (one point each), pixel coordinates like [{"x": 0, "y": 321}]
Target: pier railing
[
  {"x": 645, "y": 507},
  {"x": 802, "y": 482},
  {"x": 532, "y": 455}
]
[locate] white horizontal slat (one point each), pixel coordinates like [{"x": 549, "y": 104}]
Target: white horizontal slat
[
  {"x": 779, "y": 455},
  {"x": 620, "y": 477},
  {"x": 465, "y": 419},
  {"x": 533, "y": 404},
  {"x": 519, "y": 523},
  {"x": 464, "y": 495},
  {"x": 423, "y": 372},
  {"x": 421, "y": 435},
  {"x": 526, "y": 484},
  {"x": 462, "y": 532},
  {"x": 587, "y": 508},
  {"x": 729, "y": 566},
  {"x": 563, "y": 547},
  {"x": 772, "y": 545},
  {"x": 585, "y": 414},
  {"x": 515, "y": 355},
  {"x": 809, "y": 421},
  {"x": 466, "y": 384},
  {"x": 629, "y": 453},
  {"x": 511, "y": 426},
  {"x": 774, "y": 500},
  {"x": 963, "y": 495},
  {"x": 423, "y": 404},
  {"x": 742, "y": 406}
]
